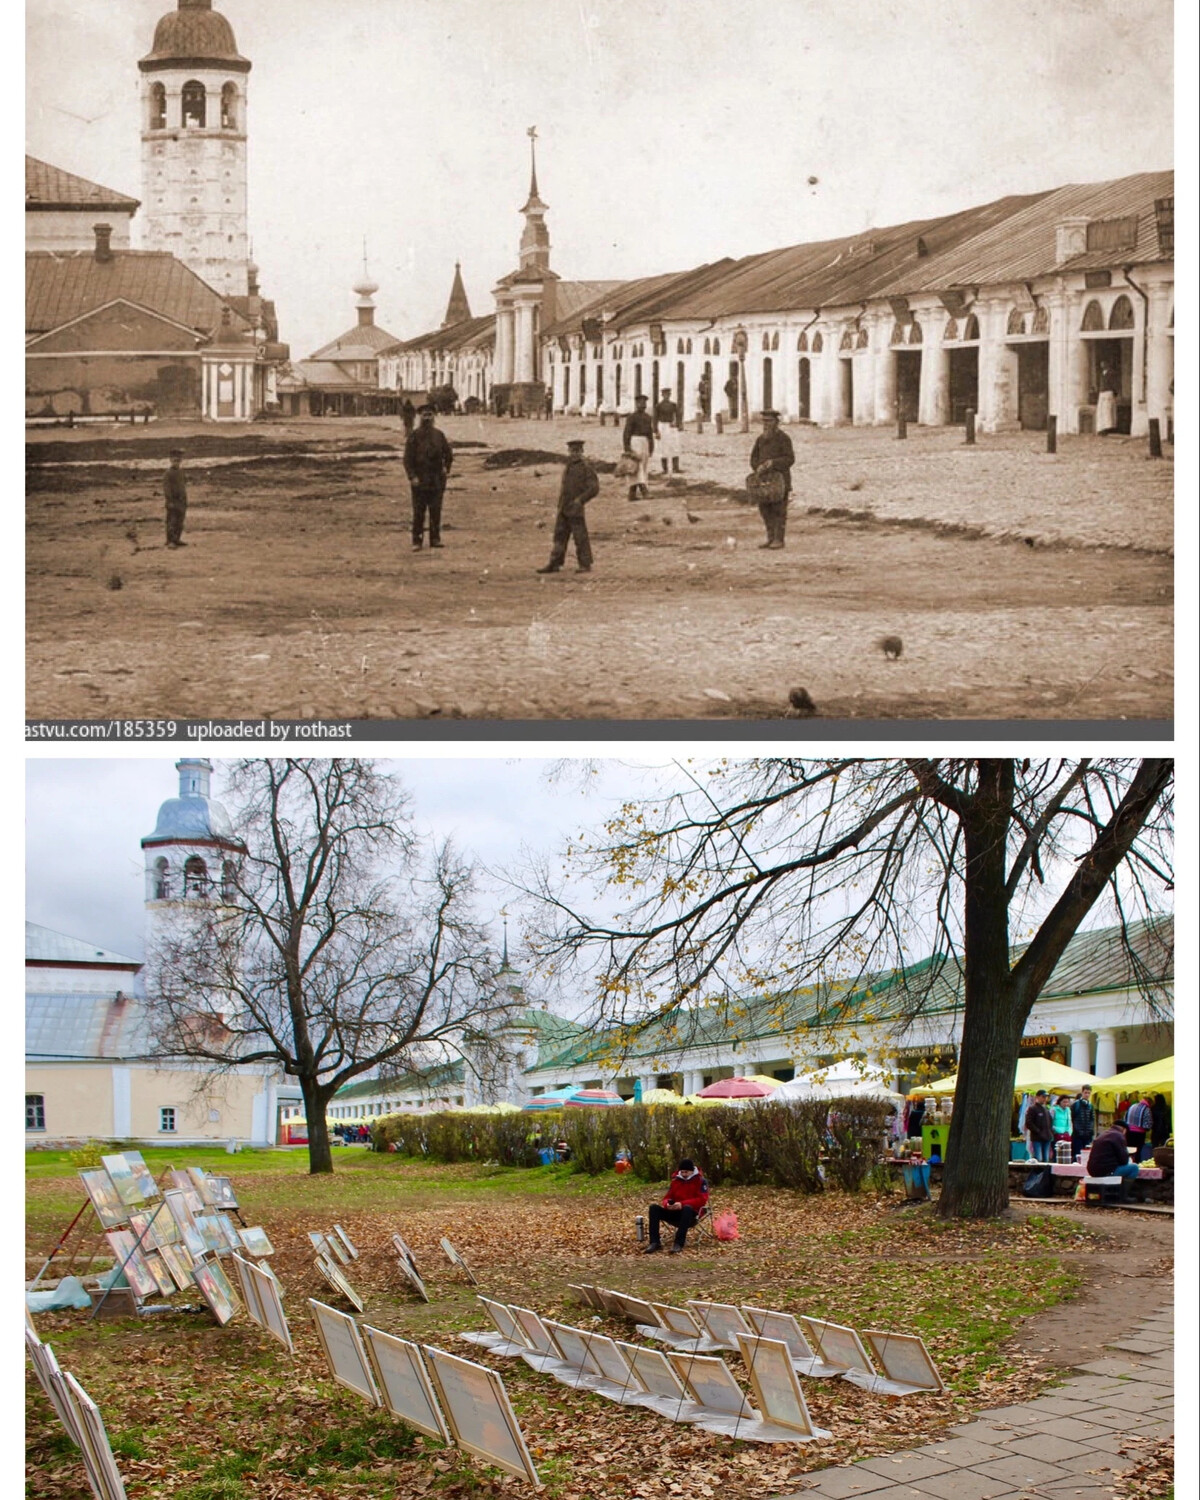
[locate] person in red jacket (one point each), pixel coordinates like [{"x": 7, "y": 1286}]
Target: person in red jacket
[{"x": 686, "y": 1196}]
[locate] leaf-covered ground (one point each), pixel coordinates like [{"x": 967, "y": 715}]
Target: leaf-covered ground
[{"x": 197, "y": 1412}]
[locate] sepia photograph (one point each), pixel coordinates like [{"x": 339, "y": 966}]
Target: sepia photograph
[{"x": 388, "y": 364}]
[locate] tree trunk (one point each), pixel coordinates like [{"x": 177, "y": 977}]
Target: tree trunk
[
  {"x": 975, "y": 1182},
  {"x": 320, "y": 1155}
]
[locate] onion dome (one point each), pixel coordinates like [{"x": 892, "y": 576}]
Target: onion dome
[
  {"x": 193, "y": 814},
  {"x": 195, "y": 35}
]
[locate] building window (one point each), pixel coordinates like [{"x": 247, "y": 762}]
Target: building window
[
  {"x": 818, "y": 343},
  {"x": 1122, "y": 313},
  {"x": 229, "y": 106},
  {"x": 195, "y": 876},
  {"x": 35, "y": 1111},
  {"x": 158, "y": 107},
  {"x": 195, "y": 102},
  {"x": 161, "y": 880},
  {"x": 228, "y": 880},
  {"x": 166, "y": 1119}
]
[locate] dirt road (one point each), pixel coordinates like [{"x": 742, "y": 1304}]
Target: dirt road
[{"x": 1022, "y": 586}]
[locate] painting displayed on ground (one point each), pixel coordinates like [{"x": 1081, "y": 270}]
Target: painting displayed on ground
[
  {"x": 131, "y": 1261},
  {"x": 142, "y": 1174},
  {"x": 94, "y": 1445},
  {"x": 218, "y": 1293},
  {"x": 124, "y": 1180},
  {"x": 270, "y": 1301},
  {"x": 775, "y": 1384},
  {"x": 456, "y": 1259},
  {"x": 477, "y": 1410},
  {"x": 905, "y": 1360},
  {"x": 351, "y": 1251},
  {"x": 255, "y": 1241},
  {"x": 179, "y": 1263},
  {"x": 345, "y": 1352},
  {"x": 404, "y": 1382},
  {"x": 338, "y": 1282},
  {"x": 100, "y": 1188}
]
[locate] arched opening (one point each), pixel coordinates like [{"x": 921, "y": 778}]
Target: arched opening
[
  {"x": 897, "y": 333},
  {"x": 915, "y": 335},
  {"x": 229, "y": 106},
  {"x": 950, "y": 334},
  {"x": 228, "y": 880},
  {"x": 802, "y": 344},
  {"x": 971, "y": 328},
  {"x": 706, "y": 391},
  {"x": 637, "y": 381},
  {"x": 775, "y": 340},
  {"x": 766, "y": 343},
  {"x": 864, "y": 339},
  {"x": 160, "y": 880},
  {"x": 1041, "y": 321},
  {"x": 805, "y": 389},
  {"x": 158, "y": 107},
  {"x": 1122, "y": 314},
  {"x": 848, "y": 339},
  {"x": 689, "y": 346},
  {"x": 680, "y": 388},
  {"x": 1016, "y": 322},
  {"x": 768, "y": 385},
  {"x": 716, "y": 349},
  {"x": 617, "y": 388},
  {"x": 195, "y": 104},
  {"x": 678, "y": 346},
  {"x": 708, "y": 346},
  {"x": 733, "y": 388},
  {"x": 1093, "y": 318},
  {"x": 195, "y": 876},
  {"x": 818, "y": 343}
]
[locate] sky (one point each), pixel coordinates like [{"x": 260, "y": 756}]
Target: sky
[
  {"x": 85, "y": 818},
  {"x": 671, "y": 133}
]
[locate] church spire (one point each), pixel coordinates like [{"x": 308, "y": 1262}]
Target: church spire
[
  {"x": 533, "y": 203},
  {"x": 535, "y": 238},
  {"x": 458, "y": 309}
]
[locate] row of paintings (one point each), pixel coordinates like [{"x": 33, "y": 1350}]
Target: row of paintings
[
  {"x": 437, "y": 1393},
  {"x": 263, "y": 1298},
  {"x": 80, "y": 1417},
  {"x": 123, "y": 1183}
]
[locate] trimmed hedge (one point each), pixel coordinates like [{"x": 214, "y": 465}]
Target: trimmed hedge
[{"x": 800, "y": 1144}]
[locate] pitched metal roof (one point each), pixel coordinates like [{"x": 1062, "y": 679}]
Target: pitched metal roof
[
  {"x": 1022, "y": 245},
  {"x": 88, "y": 1026},
  {"x": 48, "y": 186},
  {"x": 363, "y": 341},
  {"x": 61, "y": 285},
  {"x": 44, "y": 945},
  {"x": 1097, "y": 961},
  {"x": 324, "y": 372},
  {"x": 470, "y": 333}
]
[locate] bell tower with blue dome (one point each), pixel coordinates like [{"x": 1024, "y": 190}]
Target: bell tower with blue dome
[{"x": 191, "y": 857}]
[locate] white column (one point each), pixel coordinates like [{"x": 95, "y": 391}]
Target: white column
[
  {"x": 933, "y": 404},
  {"x": 1106, "y": 1052},
  {"x": 648, "y": 1081},
  {"x": 122, "y": 1102},
  {"x": 882, "y": 410},
  {"x": 504, "y": 345},
  {"x": 1160, "y": 367},
  {"x": 523, "y": 340},
  {"x": 1081, "y": 1051},
  {"x": 693, "y": 1081}
]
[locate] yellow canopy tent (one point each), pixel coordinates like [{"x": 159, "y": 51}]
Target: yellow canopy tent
[
  {"x": 1033, "y": 1073},
  {"x": 1152, "y": 1078},
  {"x": 662, "y": 1096}
]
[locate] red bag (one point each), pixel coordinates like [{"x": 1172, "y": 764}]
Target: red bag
[{"x": 725, "y": 1226}]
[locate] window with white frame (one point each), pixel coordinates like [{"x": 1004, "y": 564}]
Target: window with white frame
[
  {"x": 166, "y": 1119},
  {"x": 35, "y": 1111}
]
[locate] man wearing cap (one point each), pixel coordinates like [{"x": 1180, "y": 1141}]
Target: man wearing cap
[
  {"x": 773, "y": 454},
  {"x": 175, "y": 494},
  {"x": 427, "y": 460},
  {"x": 666, "y": 414},
  {"x": 638, "y": 440},
  {"x": 580, "y": 483}
]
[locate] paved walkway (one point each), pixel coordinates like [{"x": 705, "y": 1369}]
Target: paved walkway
[{"x": 1061, "y": 1446}]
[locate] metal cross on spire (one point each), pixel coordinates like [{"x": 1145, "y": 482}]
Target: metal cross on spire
[{"x": 533, "y": 187}]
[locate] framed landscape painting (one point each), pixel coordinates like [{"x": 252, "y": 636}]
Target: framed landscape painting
[
  {"x": 101, "y": 1189},
  {"x": 218, "y": 1293},
  {"x": 124, "y": 1180},
  {"x": 131, "y": 1261},
  {"x": 256, "y": 1243},
  {"x": 179, "y": 1263},
  {"x": 142, "y": 1174}
]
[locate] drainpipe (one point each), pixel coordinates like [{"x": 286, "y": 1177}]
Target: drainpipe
[{"x": 1126, "y": 272}]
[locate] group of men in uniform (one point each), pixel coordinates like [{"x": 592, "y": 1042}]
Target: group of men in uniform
[{"x": 428, "y": 459}]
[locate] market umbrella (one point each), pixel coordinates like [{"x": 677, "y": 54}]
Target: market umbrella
[
  {"x": 1032, "y": 1073},
  {"x": 1150, "y": 1078},
  {"x": 824, "y": 1084},
  {"x": 595, "y": 1098},
  {"x": 662, "y": 1096},
  {"x": 765, "y": 1080},
  {"x": 736, "y": 1088},
  {"x": 700, "y": 1099},
  {"x": 555, "y": 1099}
]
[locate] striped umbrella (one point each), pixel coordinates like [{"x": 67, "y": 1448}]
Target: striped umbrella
[
  {"x": 596, "y": 1098},
  {"x": 555, "y": 1099}
]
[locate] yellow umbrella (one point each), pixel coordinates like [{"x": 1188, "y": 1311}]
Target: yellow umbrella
[
  {"x": 700, "y": 1099},
  {"x": 662, "y": 1096},
  {"x": 1033, "y": 1073},
  {"x": 1150, "y": 1078},
  {"x": 771, "y": 1083}
]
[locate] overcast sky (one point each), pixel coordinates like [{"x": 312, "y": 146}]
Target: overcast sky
[
  {"x": 85, "y": 818},
  {"x": 671, "y": 132}
]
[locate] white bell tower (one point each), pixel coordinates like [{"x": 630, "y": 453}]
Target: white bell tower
[
  {"x": 191, "y": 857},
  {"x": 193, "y": 95}
]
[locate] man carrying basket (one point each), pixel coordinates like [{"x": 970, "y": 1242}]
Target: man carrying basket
[{"x": 770, "y": 478}]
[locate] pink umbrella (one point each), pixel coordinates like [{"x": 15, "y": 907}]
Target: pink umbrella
[
  {"x": 602, "y": 1098},
  {"x": 736, "y": 1088}
]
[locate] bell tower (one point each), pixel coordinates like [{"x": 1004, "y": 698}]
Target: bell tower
[
  {"x": 193, "y": 98},
  {"x": 192, "y": 855}
]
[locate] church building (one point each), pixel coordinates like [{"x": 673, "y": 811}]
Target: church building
[
  {"x": 88, "y": 1074},
  {"x": 177, "y": 328}
]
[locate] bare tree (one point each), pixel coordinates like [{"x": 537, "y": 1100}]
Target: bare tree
[
  {"x": 768, "y": 876},
  {"x": 340, "y": 944}
]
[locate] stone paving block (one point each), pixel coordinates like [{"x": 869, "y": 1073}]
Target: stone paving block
[
  {"x": 844, "y": 1483},
  {"x": 1075, "y": 1428},
  {"x": 1111, "y": 1416},
  {"x": 1103, "y": 1464},
  {"x": 1109, "y": 1367},
  {"x": 1020, "y": 1471},
  {"x": 960, "y": 1484},
  {"x": 982, "y": 1432},
  {"x": 1139, "y": 1346},
  {"x": 906, "y": 1468},
  {"x": 1075, "y": 1490},
  {"x": 961, "y": 1452},
  {"x": 1045, "y": 1446},
  {"x": 1018, "y": 1416}
]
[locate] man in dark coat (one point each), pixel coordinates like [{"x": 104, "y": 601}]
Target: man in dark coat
[
  {"x": 427, "y": 461},
  {"x": 1083, "y": 1122},
  {"x": 1109, "y": 1156},
  {"x": 580, "y": 483},
  {"x": 666, "y": 418},
  {"x": 773, "y": 454},
  {"x": 1039, "y": 1126},
  {"x": 175, "y": 494}
]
